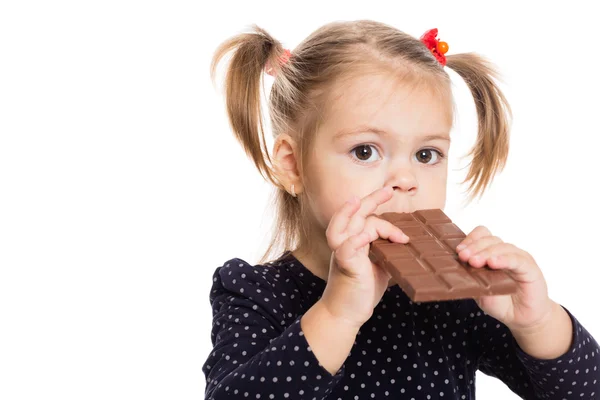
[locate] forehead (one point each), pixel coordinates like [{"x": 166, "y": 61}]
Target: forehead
[{"x": 409, "y": 108}]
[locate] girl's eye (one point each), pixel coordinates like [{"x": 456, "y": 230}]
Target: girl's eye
[
  {"x": 426, "y": 155},
  {"x": 365, "y": 152}
]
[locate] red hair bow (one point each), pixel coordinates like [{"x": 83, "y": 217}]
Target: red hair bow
[
  {"x": 437, "y": 48},
  {"x": 283, "y": 59}
]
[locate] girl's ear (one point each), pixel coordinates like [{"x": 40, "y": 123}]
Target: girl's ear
[{"x": 285, "y": 163}]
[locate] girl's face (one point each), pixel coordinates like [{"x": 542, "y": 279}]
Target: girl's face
[{"x": 380, "y": 133}]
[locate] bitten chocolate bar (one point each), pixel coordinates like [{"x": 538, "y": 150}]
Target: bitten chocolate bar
[{"x": 427, "y": 268}]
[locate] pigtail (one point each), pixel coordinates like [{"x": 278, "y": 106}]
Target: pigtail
[
  {"x": 251, "y": 52},
  {"x": 494, "y": 115}
]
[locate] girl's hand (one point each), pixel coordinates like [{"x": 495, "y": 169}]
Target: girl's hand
[
  {"x": 356, "y": 285},
  {"x": 530, "y": 306}
]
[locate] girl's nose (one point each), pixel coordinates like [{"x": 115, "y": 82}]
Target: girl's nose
[{"x": 404, "y": 181}]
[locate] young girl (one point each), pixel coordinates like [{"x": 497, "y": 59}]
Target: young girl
[{"x": 361, "y": 115}]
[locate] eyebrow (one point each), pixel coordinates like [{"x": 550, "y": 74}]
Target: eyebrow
[{"x": 369, "y": 129}]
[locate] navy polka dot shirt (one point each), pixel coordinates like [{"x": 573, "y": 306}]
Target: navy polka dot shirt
[{"x": 406, "y": 350}]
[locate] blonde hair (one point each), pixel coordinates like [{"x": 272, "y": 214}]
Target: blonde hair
[{"x": 298, "y": 97}]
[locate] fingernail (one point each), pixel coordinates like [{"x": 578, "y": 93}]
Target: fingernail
[{"x": 460, "y": 247}]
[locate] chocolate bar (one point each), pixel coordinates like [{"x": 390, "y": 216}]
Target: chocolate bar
[{"x": 427, "y": 268}]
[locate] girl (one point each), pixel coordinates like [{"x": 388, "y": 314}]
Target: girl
[{"x": 361, "y": 114}]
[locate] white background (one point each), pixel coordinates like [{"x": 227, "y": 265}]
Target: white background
[{"x": 122, "y": 187}]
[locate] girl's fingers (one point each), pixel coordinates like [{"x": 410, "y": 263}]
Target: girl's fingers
[
  {"x": 336, "y": 230},
  {"x": 375, "y": 228},
  {"x": 474, "y": 247},
  {"x": 502, "y": 258},
  {"x": 368, "y": 205},
  {"x": 496, "y": 250},
  {"x": 346, "y": 252},
  {"x": 517, "y": 263},
  {"x": 347, "y": 221},
  {"x": 508, "y": 257},
  {"x": 477, "y": 233},
  {"x": 380, "y": 228}
]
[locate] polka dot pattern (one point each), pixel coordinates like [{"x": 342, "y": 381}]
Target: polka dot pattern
[{"x": 406, "y": 350}]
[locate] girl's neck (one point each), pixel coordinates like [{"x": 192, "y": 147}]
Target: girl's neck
[{"x": 314, "y": 255}]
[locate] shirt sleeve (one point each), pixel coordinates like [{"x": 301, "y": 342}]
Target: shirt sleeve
[
  {"x": 574, "y": 375},
  {"x": 259, "y": 349}
]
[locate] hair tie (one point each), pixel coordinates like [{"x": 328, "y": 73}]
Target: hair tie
[
  {"x": 283, "y": 59},
  {"x": 437, "y": 48}
]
